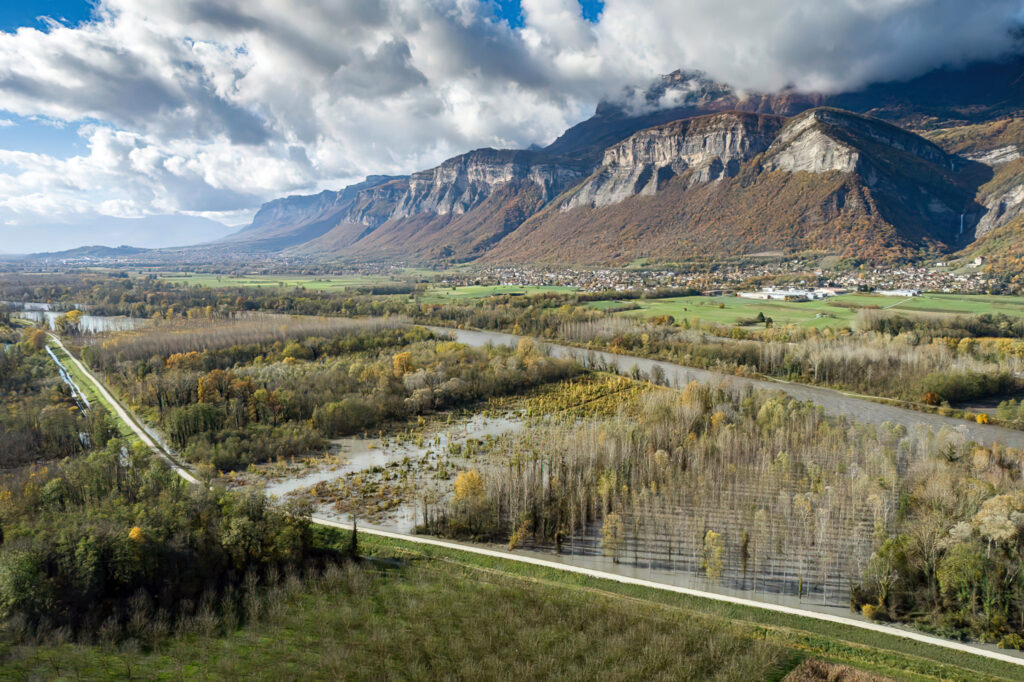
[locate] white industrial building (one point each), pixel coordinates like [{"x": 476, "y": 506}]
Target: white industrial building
[{"x": 792, "y": 294}]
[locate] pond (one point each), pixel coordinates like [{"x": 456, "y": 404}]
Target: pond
[{"x": 92, "y": 324}]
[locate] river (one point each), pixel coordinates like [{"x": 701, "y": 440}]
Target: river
[{"x": 833, "y": 402}]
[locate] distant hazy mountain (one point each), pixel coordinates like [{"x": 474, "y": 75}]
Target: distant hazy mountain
[
  {"x": 149, "y": 232},
  {"x": 688, "y": 166}
]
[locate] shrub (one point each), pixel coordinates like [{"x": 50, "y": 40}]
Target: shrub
[
  {"x": 1012, "y": 641},
  {"x": 872, "y": 612}
]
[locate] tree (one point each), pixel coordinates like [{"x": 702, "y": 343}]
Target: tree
[
  {"x": 469, "y": 487},
  {"x": 612, "y": 536},
  {"x": 401, "y": 363},
  {"x": 34, "y": 338},
  {"x": 961, "y": 573},
  {"x": 711, "y": 561},
  {"x": 886, "y": 568}
]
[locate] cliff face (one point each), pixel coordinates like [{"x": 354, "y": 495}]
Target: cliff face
[
  {"x": 1002, "y": 196},
  {"x": 453, "y": 211},
  {"x": 460, "y": 184},
  {"x": 710, "y": 147},
  {"x": 294, "y": 220},
  {"x": 823, "y": 140},
  {"x": 733, "y": 183}
]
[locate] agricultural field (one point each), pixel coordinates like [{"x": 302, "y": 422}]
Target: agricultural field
[
  {"x": 316, "y": 283},
  {"x": 467, "y": 293},
  {"x": 839, "y": 311},
  {"x": 433, "y": 293}
]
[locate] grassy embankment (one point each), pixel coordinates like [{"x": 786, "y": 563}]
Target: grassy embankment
[{"x": 418, "y": 612}]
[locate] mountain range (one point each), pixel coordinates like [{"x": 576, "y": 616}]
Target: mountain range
[{"x": 893, "y": 171}]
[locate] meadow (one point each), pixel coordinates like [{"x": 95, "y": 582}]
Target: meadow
[
  {"x": 838, "y": 311},
  {"x": 467, "y": 293},
  {"x": 434, "y": 293}
]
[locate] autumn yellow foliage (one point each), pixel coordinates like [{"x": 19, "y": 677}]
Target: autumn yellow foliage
[{"x": 469, "y": 486}]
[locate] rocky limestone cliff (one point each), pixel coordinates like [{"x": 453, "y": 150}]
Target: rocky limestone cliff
[
  {"x": 711, "y": 147},
  {"x": 824, "y": 140},
  {"x": 454, "y": 210},
  {"x": 464, "y": 182},
  {"x": 1001, "y": 210}
]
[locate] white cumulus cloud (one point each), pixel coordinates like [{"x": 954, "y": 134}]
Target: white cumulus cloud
[{"x": 209, "y": 108}]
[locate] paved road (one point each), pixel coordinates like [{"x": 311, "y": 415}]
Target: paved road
[
  {"x": 123, "y": 414},
  {"x": 834, "y": 402}
]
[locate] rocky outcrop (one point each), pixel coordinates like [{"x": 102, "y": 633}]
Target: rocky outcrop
[
  {"x": 996, "y": 157},
  {"x": 294, "y": 220},
  {"x": 460, "y": 184},
  {"x": 1001, "y": 209},
  {"x": 824, "y": 140},
  {"x": 707, "y": 148},
  {"x": 335, "y": 221}
]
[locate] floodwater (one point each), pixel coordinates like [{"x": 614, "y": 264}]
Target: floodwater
[
  {"x": 366, "y": 454},
  {"x": 93, "y": 324}
]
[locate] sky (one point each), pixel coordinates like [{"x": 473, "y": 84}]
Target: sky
[{"x": 130, "y": 109}]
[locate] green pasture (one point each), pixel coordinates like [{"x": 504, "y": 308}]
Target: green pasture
[
  {"x": 838, "y": 311},
  {"x": 445, "y": 294}
]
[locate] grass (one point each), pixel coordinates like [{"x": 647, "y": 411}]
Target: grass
[
  {"x": 839, "y": 311},
  {"x": 442, "y": 295},
  {"x": 435, "y": 294},
  {"x": 430, "y": 618},
  {"x": 419, "y": 612},
  {"x": 864, "y": 649}
]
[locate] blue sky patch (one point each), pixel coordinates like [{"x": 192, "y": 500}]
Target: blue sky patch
[{"x": 16, "y": 13}]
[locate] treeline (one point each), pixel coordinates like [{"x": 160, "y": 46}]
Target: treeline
[
  {"x": 113, "y": 545},
  {"x": 634, "y": 294},
  {"x": 241, "y": 405},
  {"x": 951, "y": 326},
  {"x": 906, "y": 367}
]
